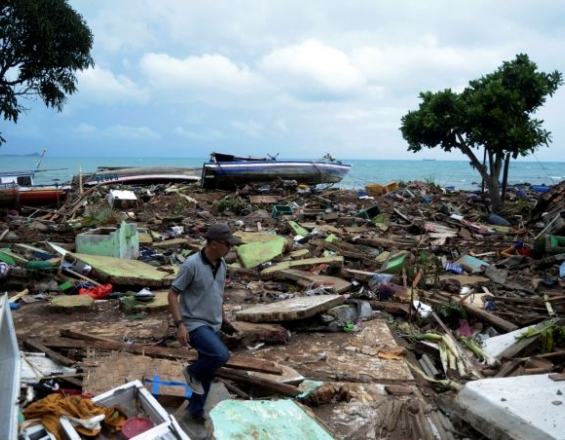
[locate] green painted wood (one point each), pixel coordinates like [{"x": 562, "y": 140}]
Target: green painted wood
[
  {"x": 306, "y": 262},
  {"x": 125, "y": 272},
  {"x": 264, "y": 420},
  {"x": 255, "y": 253},
  {"x": 394, "y": 265},
  {"x": 297, "y": 229},
  {"x": 72, "y": 301}
]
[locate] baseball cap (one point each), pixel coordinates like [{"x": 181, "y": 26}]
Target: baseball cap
[{"x": 221, "y": 231}]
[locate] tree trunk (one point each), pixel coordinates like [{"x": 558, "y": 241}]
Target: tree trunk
[
  {"x": 494, "y": 192},
  {"x": 488, "y": 172}
]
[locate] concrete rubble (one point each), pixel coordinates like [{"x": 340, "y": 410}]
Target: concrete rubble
[{"x": 399, "y": 311}]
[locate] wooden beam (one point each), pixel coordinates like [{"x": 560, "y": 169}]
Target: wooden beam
[
  {"x": 34, "y": 344},
  {"x": 496, "y": 321},
  {"x": 240, "y": 362},
  {"x": 267, "y": 384}
]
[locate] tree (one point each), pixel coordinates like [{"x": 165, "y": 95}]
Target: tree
[
  {"x": 42, "y": 44},
  {"x": 493, "y": 112}
]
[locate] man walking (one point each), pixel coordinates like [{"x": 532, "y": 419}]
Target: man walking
[{"x": 199, "y": 288}]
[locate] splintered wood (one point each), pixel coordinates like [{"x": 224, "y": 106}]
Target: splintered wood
[
  {"x": 109, "y": 371},
  {"x": 371, "y": 355}
]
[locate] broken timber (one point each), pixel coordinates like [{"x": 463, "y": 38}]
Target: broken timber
[
  {"x": 236, "y": 361},
  {"x": 126, "y": 272},
  {"x": 306, "y": 262},
  {"x": 290, "y": 309},
  {"x": 308, "y": 279}
]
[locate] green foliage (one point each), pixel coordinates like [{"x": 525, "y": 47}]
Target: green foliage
[
  {"x": 234, "y": 205},
  {"x": 100, "y": 217},
  {"x": 451, "y": 313},
  {"x": 550, "y": 335},
  {"x": 494, "y": 112},
  {"x": 42, "y": 44}
]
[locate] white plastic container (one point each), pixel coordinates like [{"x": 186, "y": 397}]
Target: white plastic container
[{"x": 131, "y": 397}]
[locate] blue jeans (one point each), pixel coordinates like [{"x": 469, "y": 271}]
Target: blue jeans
[{"x": 212, "y": 354}]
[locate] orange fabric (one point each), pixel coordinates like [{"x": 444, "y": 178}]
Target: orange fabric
[
  {"x": 97, "y": 292},
  {"x": 51, "y": 408}
]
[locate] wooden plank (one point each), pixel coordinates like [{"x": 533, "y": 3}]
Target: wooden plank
[
  {"x": 308, "y": 279},
  {"x": 386, "y": 243},
  {"x": 306, "y": 262},
  {"x": 290, "y": 309},
  {"x": 252, "y": 332},
  {"x": 172, "y": 243},
  {"x": 81, "y": 276},
  {"x": 496, "y": 321},
  {"x": 126, "y": 272},
  {"x": 508, "y": 367},
  {"x": 261, "y": 382},
  {"x": 557, "y": 377},
  {"x": 34, "y": 344},
  {"x": 264, "y": 199},
  {"x": 235, "y": 361},
  {"x": 234, "y": 389},
  {"x": 18, "y": 296}
]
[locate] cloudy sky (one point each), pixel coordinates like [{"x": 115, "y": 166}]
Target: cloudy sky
[{"x": 300, "y": 78}]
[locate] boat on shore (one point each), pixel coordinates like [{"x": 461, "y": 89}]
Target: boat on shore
[
  {"x": 17, "y": 189},
  {"x": 228, "y": 171},
  {"x": 140, "y": 175}
]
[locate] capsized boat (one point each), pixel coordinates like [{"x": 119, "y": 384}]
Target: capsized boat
[
  {"x": 228, "y": 171},
  {"x": 141, "y": 175}
]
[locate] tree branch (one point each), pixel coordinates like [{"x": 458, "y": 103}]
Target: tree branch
[{"x": 469, "y": 152}]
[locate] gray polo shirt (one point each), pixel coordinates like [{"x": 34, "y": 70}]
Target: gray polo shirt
[{"x": 201, "y": 286}]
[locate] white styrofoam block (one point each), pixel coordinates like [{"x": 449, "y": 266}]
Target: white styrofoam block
[{"x": 522, "y": 407}]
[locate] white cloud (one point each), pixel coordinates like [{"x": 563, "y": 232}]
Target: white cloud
[
  {"x": 101, "y": 85},
  {"x": 427, "y": 63},
  {"x": 313, "y": 69},
  {"x": 117, "y": 131},
  {"x": 248, "y": 128},
  {"x": 280, "y": 124},
  {"x": 299, "y": 77},
  {"x": 127, "y": 132},
  {"x": 199, "y": 134},
  {"x": 85, "y": 129},
  {"x": 208, "y": 72}
]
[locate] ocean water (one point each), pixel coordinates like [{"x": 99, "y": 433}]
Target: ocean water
[{"x": 458, "y": 174}]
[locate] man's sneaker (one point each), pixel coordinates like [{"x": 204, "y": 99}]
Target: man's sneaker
[{"x": 193, "y": 383}]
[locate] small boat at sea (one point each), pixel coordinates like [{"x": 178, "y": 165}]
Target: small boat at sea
[
  {"x": 140, "y": 175},
  {"x": 229, "y": 171}
]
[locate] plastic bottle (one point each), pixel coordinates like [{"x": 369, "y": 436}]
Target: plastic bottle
[{"x": 454, "y": 268}]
